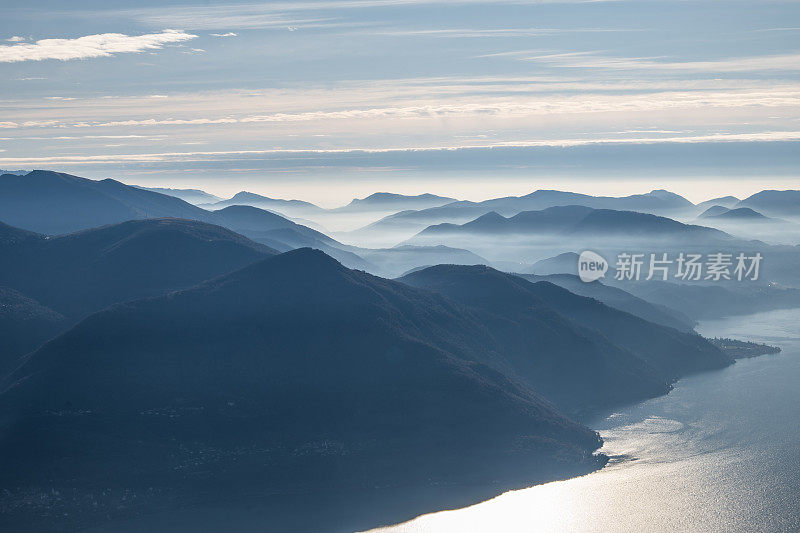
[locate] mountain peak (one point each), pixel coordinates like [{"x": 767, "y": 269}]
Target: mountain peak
[
  {"x": 245, "y": 195},
  {"x": 380, "y": 198}
]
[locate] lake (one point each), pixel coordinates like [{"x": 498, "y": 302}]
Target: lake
[{"x": 721, "y": 452}]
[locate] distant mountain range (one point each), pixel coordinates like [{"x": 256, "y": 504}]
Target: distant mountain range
[
  {"x": 750, "y": 224},
  {"x": 724, "y": 201},
  {"x": 384, "y": 201},
  {"x": 193, "y": 196},
  {"x": 158, "y": 355},
  {"x": 571, "y": 221},
  {"x": 663, "y": 202},
  {"x": 53, "y": 203},
  {"x": 286, "y": 207},
  {"x": 619, "y": 299},
  {"x": 774, "y": 203},
  {"x": 719, "y": 212}
]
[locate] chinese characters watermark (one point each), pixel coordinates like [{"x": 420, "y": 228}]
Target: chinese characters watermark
[{"x": 682, "y": 266}]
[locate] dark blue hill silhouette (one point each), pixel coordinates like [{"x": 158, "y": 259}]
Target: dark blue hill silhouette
[
  {"x": 774, "y": 203},
  {"x": 264, "y": 202},
  {"x": 723, "y": 201},
  {"x": 576, "y": 220},
  {"x": 658, "y": 201},
  {"x": 641, "y": 346},
  {"x": 254, "y": 221},
  {"x": 83, "y": 272},
  {"x": 713, "y": 211},
  {"x": 282, "y": 234},
  {"x": 739, "y": 213},
  {"x": 9, "y": 235},
  {"x": 671, "y": 352},
  {"x": 618, "y": 299},
  {"x": 575, "y": 367},
  {"x": 290, "y": 375},
  {"x": 54, "y": 203},
  {"x": 24, "y": 325},
  {"x": 383, "y": 201},
  {"x": 193, "y": 196}
]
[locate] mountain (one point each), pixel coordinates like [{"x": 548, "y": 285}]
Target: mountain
[
  {"x": 619, "y": 299},
  {"x": 663, "y": 352},
  {"x": 286, "y": 207},
  {"x": 738, "y": 213},
  {"x": 394, "y": 261},
  {"x": 724, "y": 201},
  {"x": 566, "y": 263},
  {"x": 574, "y": 220},
  {"x": 83, "y": 272},
  {"x": 774, "y": 203},
  {"x": 282, "y": 234},
  {"x": 714, "y": 210},
  {"x": 193, "y": 196},
  {"x": 747, "y": 223},
  {"x": 715, "y": 301},
  {"x": 574, "y": 367},
  {"x": 264, "y": 224},
  {"x": 54, "y": 203},
  {"x": 577, "y": 351},
  {"x": 384, "y": 201},
  {"x": 24, "y": 325},
  {"x": 293, "y": 375},
  {"x": 10, "y": 235},
  {"x": 409, "y": 222},
  {"x": 14, "y": 172}
]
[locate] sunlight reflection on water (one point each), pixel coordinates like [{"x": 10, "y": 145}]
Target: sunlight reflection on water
[{"x": 719, "y": 453}]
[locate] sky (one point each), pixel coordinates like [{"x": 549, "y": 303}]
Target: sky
[{"x": 329, "y": 100}]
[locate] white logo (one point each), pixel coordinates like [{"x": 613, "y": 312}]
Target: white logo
[{"x": 591, "y": 266}]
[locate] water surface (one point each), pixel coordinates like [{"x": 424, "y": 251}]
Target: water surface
[{"x": 721, "y": 452}]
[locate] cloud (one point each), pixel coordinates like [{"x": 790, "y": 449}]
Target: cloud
[
  {"x": 477, "y": 102},
  {"x": 101, "y": 45},
  {"x": 15, "y": 39},
  {"x": 229, "y": 34},
  {"x": 228, "y": 155},
  {"x": 593, "y": 60},
  {"x": 283, "y": 14},
  {"x": 472, "y": 33}
]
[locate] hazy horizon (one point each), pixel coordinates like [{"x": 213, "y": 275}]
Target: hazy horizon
[{"x": 326, "y": 101}]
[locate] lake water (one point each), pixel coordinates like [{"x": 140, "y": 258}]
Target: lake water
[{"x": 721, "y": 452}]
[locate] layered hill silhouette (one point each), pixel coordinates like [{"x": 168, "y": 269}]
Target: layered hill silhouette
[
  {"x": 724, "y": 201},
  {"x": 575, "y": 221},
  {"x": 83, "y": 272},
  {"x": 578, "y": 351},
  {"x": 774, "y": 203},
  {"x": 384, "y": 201},
  {"x": 24, "y": 325},
  {"x": 54, "y": 203},
  {"x": 193, "y": 196},
  {"x": 292, "y": 374},
  {"x": 737, "y": 213},
  {"x": 619, "y": 299},
  {"x": 282, "y": 234},
  {"x": 286, "y": 207},
  {"x": 658, "y": 201}
]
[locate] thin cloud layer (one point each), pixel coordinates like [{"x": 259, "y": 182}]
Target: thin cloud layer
[{"x": 90, "y": 46}]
